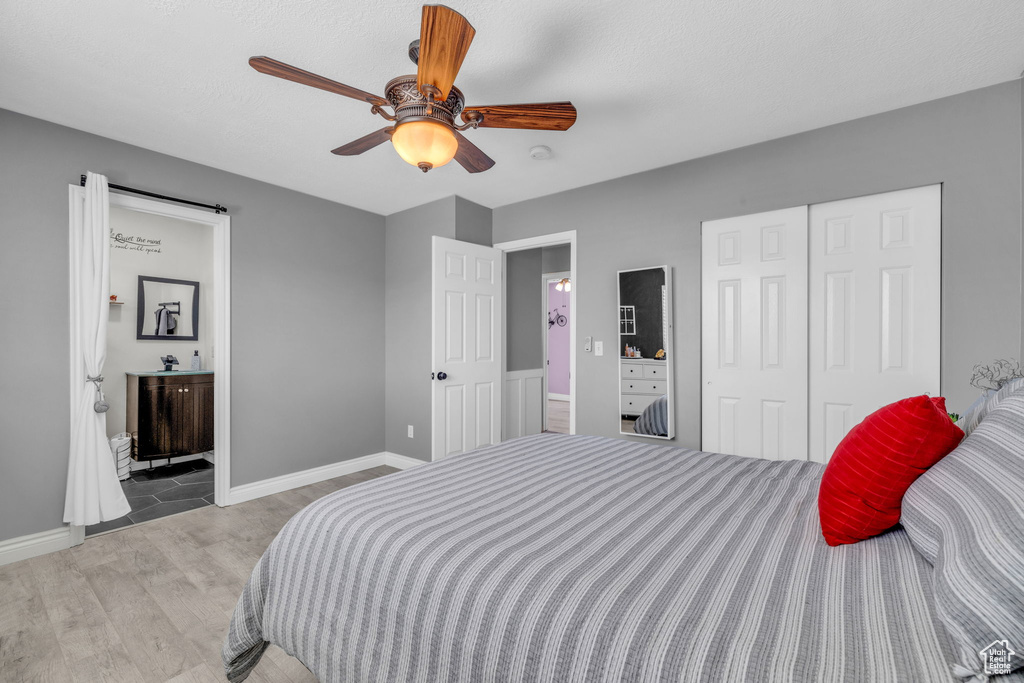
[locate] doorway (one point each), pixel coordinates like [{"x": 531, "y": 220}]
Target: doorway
[
  {"x": 161, "y": 241},
  {"x": 525, "y": 382},
  {"x": 557, "y": 292}
]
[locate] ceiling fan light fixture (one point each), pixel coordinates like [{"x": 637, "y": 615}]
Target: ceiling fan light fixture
[
  {"x": 426, "y": 105},
  {"x": 425, "y": 144}
]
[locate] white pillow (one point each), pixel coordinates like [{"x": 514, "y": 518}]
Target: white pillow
[{"x": 985, "y": 404}]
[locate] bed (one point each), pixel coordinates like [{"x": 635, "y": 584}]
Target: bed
[{"x": 571, "y": 558}]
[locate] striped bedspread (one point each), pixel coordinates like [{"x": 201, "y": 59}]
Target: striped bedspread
[
  {"x": 654, "y": 420},
  {"x": 568, "y": 558}
]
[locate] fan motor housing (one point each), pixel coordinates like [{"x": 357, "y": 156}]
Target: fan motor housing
[{"x": 403, "y": 93}]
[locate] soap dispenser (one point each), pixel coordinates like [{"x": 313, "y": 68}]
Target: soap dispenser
[{"x": 197, "y": 364}]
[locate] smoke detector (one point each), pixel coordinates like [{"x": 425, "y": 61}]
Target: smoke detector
[{"x": 540, "y": 152}]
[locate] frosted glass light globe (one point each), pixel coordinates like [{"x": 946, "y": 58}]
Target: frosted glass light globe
[{"x": 425, "y": 144}]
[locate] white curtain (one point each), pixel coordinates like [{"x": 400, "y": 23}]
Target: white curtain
[{"x": 94, "y": 493}]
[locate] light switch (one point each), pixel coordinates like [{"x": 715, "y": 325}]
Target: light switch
[
  {"x": 598, "y": 348},
  {"x": 410, "y": 431}
]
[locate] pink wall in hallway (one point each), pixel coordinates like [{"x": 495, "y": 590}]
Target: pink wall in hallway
[{"x": 558, "y": 342}]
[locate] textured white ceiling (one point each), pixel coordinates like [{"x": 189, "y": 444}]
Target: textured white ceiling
[{"x": 655, "y": 82}]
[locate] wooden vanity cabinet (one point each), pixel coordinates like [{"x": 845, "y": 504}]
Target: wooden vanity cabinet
[{"x": 169, "y": 415}]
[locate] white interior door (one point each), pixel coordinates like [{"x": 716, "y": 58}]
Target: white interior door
[
  {"x": 466, "y": 348},
  {"x": 875, "y": 273},
  {"x": 754, "y": 335}
]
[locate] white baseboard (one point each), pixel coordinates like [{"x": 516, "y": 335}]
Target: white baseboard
[
  {"x": 558, "y": 397},
  {"x": 402, "y": 462},
  {"x": 33, "y": 545},
  {"x": 285, "y": 482}
]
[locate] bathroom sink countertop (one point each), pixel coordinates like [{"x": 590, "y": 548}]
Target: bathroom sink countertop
[{"x": 169, "y": 373}]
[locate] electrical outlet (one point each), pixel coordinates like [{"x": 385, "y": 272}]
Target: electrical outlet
[
  {"x": 410, "y": 431},
  {"x": 598, "y": 348}
]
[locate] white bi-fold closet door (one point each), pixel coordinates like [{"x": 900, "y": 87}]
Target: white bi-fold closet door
[
  {"x": 875, "y": 274},
  {"x": 814, "y": 317},
  {"x": 754, "y": 332}
]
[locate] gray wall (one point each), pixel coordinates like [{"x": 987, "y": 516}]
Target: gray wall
[
  {"x": 970, "y": 142},
  {"x": 408, "y": 311},
  {"x": 472, "y": 222},
  {"x": 407, "y": 305},
  {"x": 555, "y": 259},
  {"x": 303, "y": 271},
  {"x": 524, "y": 305}
]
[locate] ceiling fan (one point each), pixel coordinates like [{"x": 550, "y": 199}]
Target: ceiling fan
[{"x": 425, "y": 105}]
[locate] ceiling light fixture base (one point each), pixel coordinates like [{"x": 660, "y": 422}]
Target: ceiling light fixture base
[{"x": 404, "y": 96}]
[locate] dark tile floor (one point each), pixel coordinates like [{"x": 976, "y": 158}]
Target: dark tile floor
[{"x": 162, "y": 491}]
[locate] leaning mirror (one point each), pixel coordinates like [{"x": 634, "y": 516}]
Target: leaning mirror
[
  {"x": 645, "y": 352},
  {"x": 167, "y": 309}
]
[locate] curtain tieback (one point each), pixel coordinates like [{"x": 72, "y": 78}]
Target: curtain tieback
[{"x": 101, "y": 405}]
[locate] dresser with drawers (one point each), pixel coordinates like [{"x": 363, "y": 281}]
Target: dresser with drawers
[{"x": 643, "y": 381}]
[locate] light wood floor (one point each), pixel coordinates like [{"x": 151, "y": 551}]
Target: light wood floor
[
  {"x": 149, "y": 602},
  {"x": 558, "y": 416}
]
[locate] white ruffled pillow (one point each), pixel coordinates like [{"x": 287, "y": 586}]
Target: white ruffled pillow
[{"x": 985, "y": 404}]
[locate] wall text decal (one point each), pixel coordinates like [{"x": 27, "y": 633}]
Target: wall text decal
[{"x": 134, "y": 243}]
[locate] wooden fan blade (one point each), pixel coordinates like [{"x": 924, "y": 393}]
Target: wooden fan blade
[
  {"x": 365, "y": 143},
  {"x": 546, "y": 116},
  {"x": 272, "y": 67},
  {"x": 445, "y": 36},
  {"x": 470, "y": 156}
]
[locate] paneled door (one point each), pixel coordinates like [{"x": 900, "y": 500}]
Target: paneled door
[
  {"x": 875, "y": 273},
  {"x": 466, "y": 349},
  {"x": 754, "y": 335}
]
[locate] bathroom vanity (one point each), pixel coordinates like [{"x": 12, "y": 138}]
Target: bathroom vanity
[{"x": 169, "y": 413}]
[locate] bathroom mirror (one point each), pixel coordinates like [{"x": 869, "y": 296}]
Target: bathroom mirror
[
  {"x": 168, "y": 309},
  {"x": 645, "y": 352}
]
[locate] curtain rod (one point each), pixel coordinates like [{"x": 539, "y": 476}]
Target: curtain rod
[{"x": 215, "y": 207}]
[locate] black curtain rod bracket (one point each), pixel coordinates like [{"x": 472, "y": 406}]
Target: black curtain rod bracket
[{"x": 217, "y": 208}]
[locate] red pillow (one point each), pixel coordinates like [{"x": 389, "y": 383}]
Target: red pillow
[{"x": 874, "y": 465}]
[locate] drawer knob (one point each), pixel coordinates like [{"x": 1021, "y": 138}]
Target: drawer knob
[
  {"x": 186, "y": 390},
  {"x": 180, "y": 390}
]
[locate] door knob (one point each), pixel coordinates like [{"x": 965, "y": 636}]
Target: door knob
[
  {"x": 180, "y": 390},
  {"x": 442, "y": 376},
  {"x": 186, "y": 390}
]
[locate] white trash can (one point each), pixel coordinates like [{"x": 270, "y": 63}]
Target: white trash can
[{"x": 121, "y": 449}]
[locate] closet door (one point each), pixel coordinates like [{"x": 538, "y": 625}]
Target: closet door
[
  {"x": 875, "y": 276},
  {"x": 754, "y": 335}
]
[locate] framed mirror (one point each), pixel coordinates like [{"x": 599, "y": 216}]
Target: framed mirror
[
  {"x": 167, "y": 309},
  {"x": 645, "y": 353}
]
